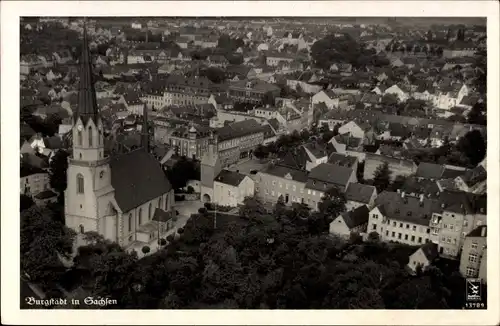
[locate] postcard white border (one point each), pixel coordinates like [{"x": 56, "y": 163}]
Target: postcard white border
[{"x": 10, "y": 13}]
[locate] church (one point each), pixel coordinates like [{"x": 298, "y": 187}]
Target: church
[{"x": 126, "y": 198}]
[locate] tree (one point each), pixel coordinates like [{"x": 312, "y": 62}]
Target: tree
[
  {"x": 145, "y": 250},
  {"x": 373, "y": 236},
  {"x": 57, "y": 173},
  {"x": 214, "y": 74},
  {"x": 261, "y": 152},
  {"x": 473, "y": 145},
  {"x": 335, "y": 49},
  {"x": 382, "y": 177},
  {"x": 477, "y": 114},
  {"x": 26, "y": 202},
  {"x": 305, "y": 134},
  {"x": 43, "y": 241},
  {"x": 183, "y": 171}
]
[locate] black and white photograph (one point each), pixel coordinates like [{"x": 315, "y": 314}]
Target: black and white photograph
[{"x": 252, "y": 162}]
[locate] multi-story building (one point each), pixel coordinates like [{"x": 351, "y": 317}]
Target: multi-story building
[
  {"x": 402, "y": 218},
  {"x": 252, "y": 91},
  {"x": 278, "y": 180},
  {"x": 231, "y": 188},
  {"x": 457, "y": 215},
  {"x": 183, "y": 91},
  {"x": 190, "y": 141},
  {"x": 238, "y": 140},
  {"x": 473, "y": 258}
]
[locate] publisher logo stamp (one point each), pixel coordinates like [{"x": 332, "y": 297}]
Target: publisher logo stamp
[{"x": 473, "y": 289}]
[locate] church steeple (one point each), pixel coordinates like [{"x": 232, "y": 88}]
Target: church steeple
[{"x": 87, "y": 102}]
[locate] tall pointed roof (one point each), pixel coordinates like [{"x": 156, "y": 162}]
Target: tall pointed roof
[{"x": 87, "y": 102}]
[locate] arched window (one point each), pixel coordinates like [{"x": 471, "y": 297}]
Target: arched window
[
  {"x": 166, "y": 202},
  {"x": 130, "y": 222},
  {"x": 82, "y": 229},
  {"x": 79, "y": 135},
  {"x": 140, "y": 216},
  {"x": 79, "y": 184},
  {"x": 150, "y": 210},
  {"x": 90, "y": 137},
  {"x": 100, "y": 137},
  {"x": 160, "y": 202}
]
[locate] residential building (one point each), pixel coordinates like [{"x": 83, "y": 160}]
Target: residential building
[
  {"x": 473, "y": 180},
  {"x": 277, "y": 180},
  {"x": 132, "y": 102},
  {"x": 231, "y": 188},
  {"x": 353, "y": 221},
  {"x": 423, "y": 257},
  {"x": 358, "y": 194},
  {"x": 473, "y": 258},
  {"x": 238, "y": 140},
  {"x": 252, "y": 91},
  {"x": 184, "y": 91},
  {"x": 274, "y": 59},
  {"x": 328, "y": 97},
  {"x": 190, "y": 141},
  {"x": 401, "y": 218}
]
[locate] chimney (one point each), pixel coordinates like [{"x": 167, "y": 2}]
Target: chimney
[
  {"x": 145, "y": 129},
  {"x": 483, "y": 231}
]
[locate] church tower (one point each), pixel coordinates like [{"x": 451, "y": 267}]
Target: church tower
[
  {"x": 89, "y": 173},
  {"x": 210, "y": 168}
]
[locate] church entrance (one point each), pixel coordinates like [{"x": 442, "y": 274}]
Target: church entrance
[{"x": 206, "y": 198}]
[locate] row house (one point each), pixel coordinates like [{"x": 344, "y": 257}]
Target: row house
[
  {"x": 183, "y": 91},
  {"x": 273, "y": 60}
]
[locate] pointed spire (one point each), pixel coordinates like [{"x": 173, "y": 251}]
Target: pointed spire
[{"x": 87, "y": 102}]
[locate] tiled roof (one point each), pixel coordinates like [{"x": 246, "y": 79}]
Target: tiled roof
[
  {"x": 137, "y": 178},
  {"x": 356, "y": 217},
  {"x": 360, "y": 193},
  {"x": 342, "y": 160},
  {"x": 408, "y": 209},
  {"x": 329, "y": 173},
  {"x": 239, "y": 129},
  {"x": 230, "y": 178},
  {"x": 281, "y": 171},
  {"x": 430, "y": 250}
]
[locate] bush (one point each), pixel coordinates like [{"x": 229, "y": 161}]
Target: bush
[
  {"x": 170, "y": 238},
  {"x": 209, "y": 206},
  {"x": 373, "y": 236},
  {"x": 146, "y": 249},
  {"x": 162, "y": 242},
  {"x": 202, "y": 210},
  {"x": 190, "y": 190},
  {"x": 180, "y": 230},
  {"x": 355, "y": 238}
]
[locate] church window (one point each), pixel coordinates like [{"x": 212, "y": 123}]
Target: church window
[
  {"x": 100, "y": 137},
  {"x": 90, "y": 137},
  {"x": 160, "y": 202},
  {"x": 166, "y": 203},
  {"x": 79, "y": 184},
  {"x": 82, "y": 229},
  {"x": 130, "y": 222},
  {"x": 140, "y": 216},
  {"x": 150, "y": 210},
  {"x": 79, "y": 138}
]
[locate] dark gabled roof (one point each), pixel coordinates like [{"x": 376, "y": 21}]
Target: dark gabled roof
[
  {"x": 281, "y": 171},
  {"x": 274, "y": 123},
  {"x": 53, "y": 142},
  {"x": 407, "y": 209},
  {"x": 356, "y": 217},
  {"x": 449, "y": 173},
  {"x": 474, "y": 176},
  {"x": 478, "y": 232},
  {"x": 329, "y": 173},
  {"x": 230, "y": 178},
  {"x": 429, "y": 171},
  {"x": 268, "y": 131},
  {"x": 137, "y": 178},
  {"x": 317, "y": 150},
  {"x": 399, "y": 130},
  {"x": 359, "y": 192},
  {"x": 87, "y": 102},
  {"x": 296, "y": 158},
  {"x": 239, "y": 129},
  {"x": 462, "y": 202},
  {"x": 342, "y": 160},
  {"x": 430, "y": 250},
  {"x": 161, "y": 216},
  {"x": 414, "y": 185}
]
